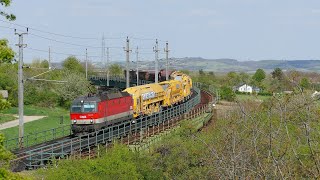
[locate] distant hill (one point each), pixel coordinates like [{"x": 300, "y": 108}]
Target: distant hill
[{"x": 226, "y": 65}]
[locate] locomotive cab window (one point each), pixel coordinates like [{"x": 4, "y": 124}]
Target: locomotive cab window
[
  {"x": 79, "y": 107},
  {"x": 76, "y": 107},
  {"x": 89, "y": 107}
]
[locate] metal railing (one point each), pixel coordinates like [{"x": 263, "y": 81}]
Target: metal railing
[
  {"x": 36, "y": 157},
  {"x": 38, "y": 137}
]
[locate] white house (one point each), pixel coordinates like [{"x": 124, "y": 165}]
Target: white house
[{"x": 245, "y": 88}]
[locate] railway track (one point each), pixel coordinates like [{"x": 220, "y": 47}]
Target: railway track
[{"x": 38, "y": 155}]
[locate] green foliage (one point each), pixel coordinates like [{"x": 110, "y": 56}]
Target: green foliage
[
  {"x": 233, "y": 79},
  {"x": 73, "y": 64},
  {"x": 51, "y": 121},
  {"x": 115, "y": 70},
  {"x": 227, "y": 93},
  {"x": 5, "y": 157},
  {"x": 6, "y": 118},
  {"x": 4, "y": 104},
  {"x": 117, "y": 163},
  {"x": 201, "y": 72},
  {"x": 211, "y": 74},
  {"x": 9, "y": 81},
  {"x": 259, "y": 75},
  {"x": 277, "y": 74},
  {"x": 304, "y": 83},
  {"x": 41, "y": 94},
  {"x": 38, "y": 63},
  {"x": 7, "y": 3},
  {"x": 6, "y": 53},
  {"x": 76, "y": 85},
  {"x": 244, "y": 77},
  {"x": 185, "y": 71}
]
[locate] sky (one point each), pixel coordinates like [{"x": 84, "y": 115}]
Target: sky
[{"x": 237, "y": 29}]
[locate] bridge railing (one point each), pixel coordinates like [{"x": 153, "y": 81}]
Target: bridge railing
[{"x": 38, "y": 137}]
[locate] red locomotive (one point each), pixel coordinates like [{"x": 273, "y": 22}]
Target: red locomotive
[{"x": 91, "y": 113}]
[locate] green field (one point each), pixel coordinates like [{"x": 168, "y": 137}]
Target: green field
[
  {"x": 252, "y": 97},
  {"x": 6, "y": 117},
  {"x": 51, "y": 121}
]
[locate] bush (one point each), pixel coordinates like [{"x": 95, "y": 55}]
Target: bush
[
  {"x": 4, "y": 104},
  {"x": 226, "y": 93}
]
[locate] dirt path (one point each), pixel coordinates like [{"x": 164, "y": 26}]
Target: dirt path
[{"x": 16, "y": 122}]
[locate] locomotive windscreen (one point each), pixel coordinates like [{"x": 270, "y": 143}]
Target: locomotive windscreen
[{"x": 83, "y": 107}]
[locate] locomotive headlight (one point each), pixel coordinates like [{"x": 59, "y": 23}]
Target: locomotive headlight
[
  {"x": 74, "y": 121},
  {"x": 91, "y": 121}
]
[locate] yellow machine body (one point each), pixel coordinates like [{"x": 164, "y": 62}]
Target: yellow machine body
[{"x": 151, "y": 98}]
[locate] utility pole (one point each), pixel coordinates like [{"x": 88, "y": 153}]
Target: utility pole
[
  {"x": 86, "y": 63},
  {"x": 20, "y": 84},
  {"x": 108, "y": 60},
  {"x": 127, "y": 50},
  {"x": 167, "y": 60},
  {"x": 137, "y": 54},
  {"x": 156, "y": 50},
  {"x": 49, "y": 61},
  {"x": 103, "y": 48}
]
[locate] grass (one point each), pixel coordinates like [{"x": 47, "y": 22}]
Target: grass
[
  {"x": 51, "y": 121},
  {"x": 251, "y": 97},
  {"x": 6, "y": 118}
]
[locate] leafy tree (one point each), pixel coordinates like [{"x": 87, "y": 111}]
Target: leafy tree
[
  {"x": 201, "y": 72},
  {"x": 244, "y": 77},
  {"x": 211, "y": 74},
  {"x": 277, "y": 74},
  {"x": 227, "y": 93},
  {"x": 9, "y": 81},
  {"x": 76, "y": 85},
  {"x": 304, "y": 83},
  {"x": 6, "y": 53},
  {"x": 6, "y": 3},
  {"x": 38, "y": 63},
  {"x": 73, "y": 64},
  {"x": 259, "y": 76},
  {"x": 233, "y": 78},
  {"x": 115, "y": 70}
]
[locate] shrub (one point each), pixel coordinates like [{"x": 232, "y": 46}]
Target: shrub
[{"x": 227, "y": 93}]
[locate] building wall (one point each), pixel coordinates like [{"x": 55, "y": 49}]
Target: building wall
[{"x": 245, "y": 88}]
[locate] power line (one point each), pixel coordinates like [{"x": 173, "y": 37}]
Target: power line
[
  {"x": 57, "y": 34},
  {"x": 60, "y": 53}
]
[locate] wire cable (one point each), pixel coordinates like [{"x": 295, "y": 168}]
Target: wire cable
[{"x": 57, "y": 34}]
